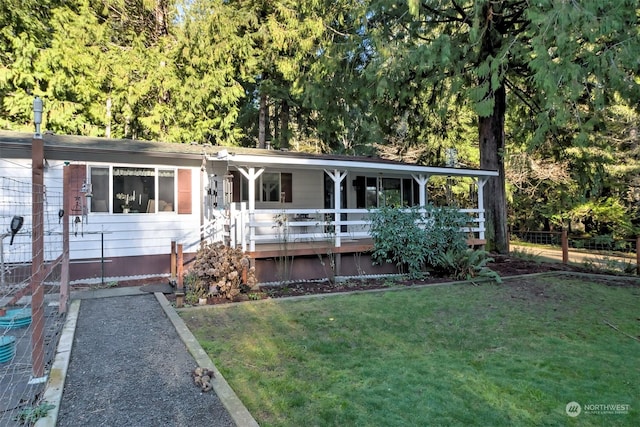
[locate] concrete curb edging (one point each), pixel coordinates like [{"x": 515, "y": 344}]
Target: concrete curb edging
[
  {"x": 228, "y": 397},
  {"x": 57, "y": 375}
]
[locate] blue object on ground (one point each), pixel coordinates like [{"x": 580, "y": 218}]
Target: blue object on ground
[
  {"x": 7, "y": 348},
  {"x": 16, "y": 318}
]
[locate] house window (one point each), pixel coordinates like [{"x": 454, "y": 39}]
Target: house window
[
  {"x": 166, "y": 190},
  {"x": 100, "y": 189},
  {"x": 270, "y": 187},
  {"x": 276, "y": 187},
  {"x": 371, "y": 195},
  {"x": 373, "y": 192},
  {"x": 237, "y": 188},
  {"x": 140, "y": 190},
  {"x": 391, "y": 194},
  {"x": 133, "y": 188}
]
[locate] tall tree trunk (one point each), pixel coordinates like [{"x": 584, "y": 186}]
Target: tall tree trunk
[
  {"x": 107, "y": 129},
  {"x": 160, "y": 12},
  {"x": 263, "y": 115},
  {"x": 284, "y": 125},
  {"x": 275, "y": 123},
  {"x": 491, "y": 133}
]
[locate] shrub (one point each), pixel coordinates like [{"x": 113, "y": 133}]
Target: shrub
[
  {"x": 217, "y": 271},
  {"x": 414, "y": 238},
  {"x": 469, "y": 264}
]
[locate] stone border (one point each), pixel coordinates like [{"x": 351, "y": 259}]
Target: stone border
[
  {"x": 57, "y": 375},
  {"x": 227, "y": 396},
  {"x": 55, "y": 386}
]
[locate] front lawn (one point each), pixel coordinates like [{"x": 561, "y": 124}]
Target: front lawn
[{"x": 510, "y": 354}]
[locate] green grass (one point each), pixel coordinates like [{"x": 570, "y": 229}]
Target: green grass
[{"x": 491, "y": 355}]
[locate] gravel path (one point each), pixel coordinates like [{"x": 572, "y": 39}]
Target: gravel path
[{"x": 129, "y": 367}]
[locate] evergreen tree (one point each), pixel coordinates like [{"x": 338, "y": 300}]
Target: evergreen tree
[
  {"x": 552, "y": 55},
  {"x": 24, "y": 33},
  {"x": 284, "y": 36}
]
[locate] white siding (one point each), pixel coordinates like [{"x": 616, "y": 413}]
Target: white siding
[
  {"x": 308, "y": 189},
  {"x": 124, "y": 234},
  {"x": 16, "y": 200}
]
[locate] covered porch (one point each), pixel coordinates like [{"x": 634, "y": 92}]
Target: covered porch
[{"x": 337, "y": 219}]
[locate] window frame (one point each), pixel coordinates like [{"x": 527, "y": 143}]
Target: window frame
[
  {"x": 110, "y": 196},
  {"x": 369, "y": 188},
  {"x": 241, "y": 187}
]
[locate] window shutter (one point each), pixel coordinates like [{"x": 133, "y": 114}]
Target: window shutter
[
  {"x": 361, "y": 192},
  {"x": 236, "y": 183},
  {"x": 286, "y": 183},
  {"x": 184, "y": 191}
]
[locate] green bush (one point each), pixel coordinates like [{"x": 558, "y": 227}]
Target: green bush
[
  {"x": 217, "y": 271},
  {"x": 469, "y": 264},
  {"x": 414, "y": 239}
]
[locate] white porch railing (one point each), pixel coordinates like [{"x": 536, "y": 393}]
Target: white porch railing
[{"x": 239, "y": 228}]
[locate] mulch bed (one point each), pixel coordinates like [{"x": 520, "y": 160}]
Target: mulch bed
[{"x": 505, "y": 266}]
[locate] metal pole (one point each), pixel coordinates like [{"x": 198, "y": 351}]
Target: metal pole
[
  {"x": 64, "y": 275},
  {"x": 2, "y": 236},
  {"x": 102, "y": 256}
]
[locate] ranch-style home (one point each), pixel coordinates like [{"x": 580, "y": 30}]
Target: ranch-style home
[{"x": 129, "y": 200}]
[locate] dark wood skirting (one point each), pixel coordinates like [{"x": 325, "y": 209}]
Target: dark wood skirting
[
  {"x": 270, "y": 250},
  {"x": 273, "y": 262}
]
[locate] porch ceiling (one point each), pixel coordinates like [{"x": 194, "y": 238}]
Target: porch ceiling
[{"x": 356, "y": 164}]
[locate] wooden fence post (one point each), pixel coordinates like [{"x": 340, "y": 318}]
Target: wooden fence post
[
  {"x": 565, "y": 247},
  {"x": 179, "y": 278},
  {"x": 173, "y": 262},
  {"x": 37, "y": 262}
]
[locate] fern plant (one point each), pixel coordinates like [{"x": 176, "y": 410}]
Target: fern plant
[{"x": 468, "y": 264}]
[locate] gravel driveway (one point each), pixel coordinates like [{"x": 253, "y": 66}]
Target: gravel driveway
[{"x": 129, "y": 367}]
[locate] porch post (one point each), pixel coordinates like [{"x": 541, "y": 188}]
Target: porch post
[
  {"x": 337, "y": 177},
  {"x": 251, "y": 174},
  {"x": 243, "y": 225},
  {"x": 233, "y": 224},
  {"x": 422, "y": 182},
  {"x": 481, "y": 183}
]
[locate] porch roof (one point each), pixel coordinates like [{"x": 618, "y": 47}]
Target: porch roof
[
  {"x": 73, "y": 147},
  {"x": 287, "y": 159},
  {"x": 84, "y": 148}
]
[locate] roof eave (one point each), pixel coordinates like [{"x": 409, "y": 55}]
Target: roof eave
[{"x": 255, "y": 160}]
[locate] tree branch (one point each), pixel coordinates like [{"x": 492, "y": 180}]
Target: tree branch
[
  {"x": 623, "y": 333},
  {"x": 460, "y": 10},
  {"x": 535, "y": 108},
  {"x": 444, "y": 17}
]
